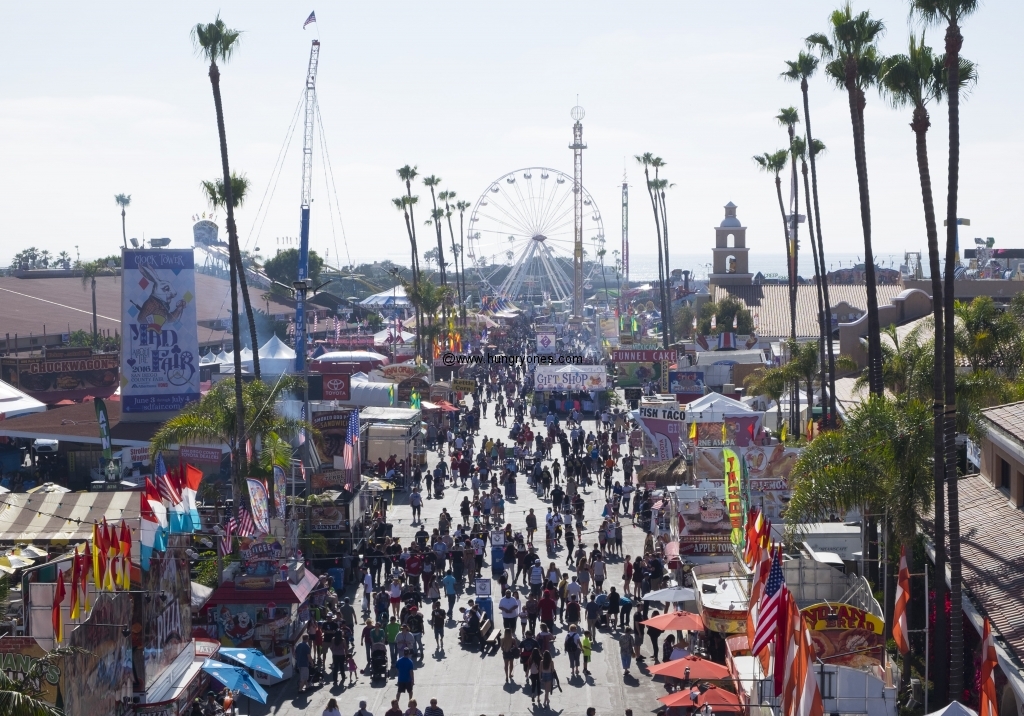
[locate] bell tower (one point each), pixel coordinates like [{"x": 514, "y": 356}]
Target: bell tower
[{"x": 730, "y": 267}]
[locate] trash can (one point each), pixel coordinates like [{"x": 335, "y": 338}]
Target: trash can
[
  {"x": 497, "y": 561},
  {"x": 486, "y": 607}
]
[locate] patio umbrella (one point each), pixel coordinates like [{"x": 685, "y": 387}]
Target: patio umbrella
[
  {"x": 13, "y": 561},
  {"x": 254, "y": 659},
  {"x": 697, "y": 667},
  {"x": 718, "y": 699},
  {"x": 235, "y": 678},
  {"x": 47, "y": 487},
  {"x": 671, "y": 594},
  {"x": 676, "y": 621}
]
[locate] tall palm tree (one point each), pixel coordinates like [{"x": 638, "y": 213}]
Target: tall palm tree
[
  {"x": 853, "y": 64},
  {"x": 90, "y": 270},
  {"x": 788, "y": 117},
  {"x": 405, "y": 205},
  {"x": 217, "y": 197},
  {"x": 447, "y": 197},
  {"x": 432, "y": 182},
  {"x": 802, "y": 69},
  {"x": 799, "y": 149},
  {"x": 647, "y": 160},
  {"x": 660, "y": 185},
  {"x": 461, "y": 207},
  {"x": 215, "y": 42},
  {"x": 951, "y": 13},
  {"x": 123, "y": 200},
  {"x": 65, "y": 260}
]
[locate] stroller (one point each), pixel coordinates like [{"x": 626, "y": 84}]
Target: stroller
[{"x": 378, "y": 662}]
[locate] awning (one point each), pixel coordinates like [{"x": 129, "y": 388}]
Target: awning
[
  {"x": 64, "y": 517},
  {"x": 446, "y": 406},
  {"x": 282, "y": 593},
  {"x": 77, "y": 423}
]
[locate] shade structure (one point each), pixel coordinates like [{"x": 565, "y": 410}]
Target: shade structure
[
  {"x": 389, "y": 336},
  {"x": 14, "y": 402},
  {"x": 955, "y": 708},
  {"x": 699, "y": 669},
  {"x": 47, "y": 487},
  {"x": 253, "y": 659},
  {"x": 671, "y": 594},
  {"x": 235, "y": 678},
  {"x": 276, "y": 358},
  {"x": 676, "y": 621},
  {"x": 718, "y": 699},
  {"x": 390, "y": 298}
]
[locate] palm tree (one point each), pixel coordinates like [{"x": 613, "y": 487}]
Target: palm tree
[
  {"x": 461, "y": 207},
  {"x": 431, "y": 299},
  {"x": 799, "y": 149},
  {"x": 771, "y": 383},
  {"x": 217, "y": 197},
  {"x": 65, "y": 260},
  {"x": 123, "y": 200},
  {"x": 405, "y": 205},
  {"x": 21, "y": 696},
  {"x": 214, "y": 420},
  {"x": 788, "y": 117},
  {"x": 216, "y": 42},
  {"x": 659, "y": 187},
  {"x": 90, "y": 271},
  {"x": 802, "y": 69},
  {"x": 435, "y": 216},
  {"x": 951, "y": 12},
  {"x": 647, "y": 160},
  {"x": 601, "y": 253},
  {"x": 447, "y": 197},
  {"x": 853, "y": 64}
]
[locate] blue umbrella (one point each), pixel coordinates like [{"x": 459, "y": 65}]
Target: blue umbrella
[
  {"x": 254, "y": 659},
  {"x": 235, "y": 678}
]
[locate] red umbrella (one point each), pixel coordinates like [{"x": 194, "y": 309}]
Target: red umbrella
[
  {"x": 698, "y": 669},
  {"x": 719, "y": 699},
  {"x": 676, "y": 621}
]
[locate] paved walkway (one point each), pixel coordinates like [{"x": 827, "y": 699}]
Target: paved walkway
[{"x": 466, "y": 682}]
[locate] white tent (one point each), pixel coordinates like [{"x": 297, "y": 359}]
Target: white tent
[
  {"x": 13, "y": 402},
  {"x": 276, "y": 358},
  {"x": 955, "y": 708},
  {"x": 381, "y": 338},
  {"x": 391, "y": 298},
  {"x": 718, "y": 404},
  {"x": 367, "y": 394},
  {"x": 351, "y": 357},
  {"x": 209, "y": 358}
]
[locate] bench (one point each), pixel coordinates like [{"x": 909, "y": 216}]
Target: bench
[{"x": 486, "y": 627}]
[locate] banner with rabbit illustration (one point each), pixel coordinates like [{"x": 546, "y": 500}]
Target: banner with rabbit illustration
[{"x": 159, "y": 333}]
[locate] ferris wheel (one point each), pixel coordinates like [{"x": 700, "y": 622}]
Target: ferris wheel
[{"x": 521, "y": 235}]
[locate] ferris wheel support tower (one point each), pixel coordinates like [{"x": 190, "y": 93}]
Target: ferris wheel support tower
[
  {"x": 625, "y": 228},
  {"x": 307, "y": 190},
  {"x": 577, "y": 148}
]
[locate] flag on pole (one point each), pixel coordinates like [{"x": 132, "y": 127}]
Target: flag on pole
[
  {"x": 224, "y": 547},
  {"x": 97, "y": 576},
  {"x": 693, "y": 431},
  {"x": 242, "y": 525},
  {"x": 149, "y": 529},
  {"x": 159, "y": 513},
  {"x": 113, "y": 577},
  {"x": 84, "y": 574},
  {"x": 76, "y": 566},
  {"x": 170, "y": 495},
  {"x": 310, "y": 19},
  {"x": 126, "y": 556},
  {"x": 58, "y": 597},
  {"x": 772, "y": 606},
  {"x": 191, "y": 477},
  {"x": 100, "y": 550},
  {"x": 989, "y": 705},
  {"x": 899, "y": 621},
  {"x": 782, "y": 434},
  {"x": 800, "y": 694},
  {"x": 351, "y": 454}
]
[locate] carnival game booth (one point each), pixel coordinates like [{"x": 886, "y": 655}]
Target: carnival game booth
[{"x": 263, "y": 603}]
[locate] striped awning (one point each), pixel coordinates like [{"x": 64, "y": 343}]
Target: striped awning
[{"x": 63, "y": 517}]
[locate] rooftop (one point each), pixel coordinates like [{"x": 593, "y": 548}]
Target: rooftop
[
  {"x": 1009, "y": 418},
  {"x": 77, "y": 423}
]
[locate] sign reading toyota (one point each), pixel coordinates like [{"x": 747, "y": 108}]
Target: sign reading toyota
[
  {"x": 337, "y": 386},
  {"x": 569, "y": 378}
]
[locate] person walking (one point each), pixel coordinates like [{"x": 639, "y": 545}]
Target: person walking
[
  {"x": 433, "y": 709},
  {"x": 412, "y": 710},
  {"x": 509, "y": 652},
  {"x": 416, "y": 502},
  {"x": 586, "y": 646},
  {"x": 573, "y": 648},
  {"x": 654, "y": 634},
  {"x": 626, "y": 646},
  {"x": 302, "y": 653},
  {"x": 547, "y": 677},
  {"x": 593, "y": 612},
  {"x": 534, "y": 671},
  {"x": 509, "y": 607},
  {"x": 405, "y": 667},
  {"x": 449, "y": 591},
  {"x": 437, "y": 620}
]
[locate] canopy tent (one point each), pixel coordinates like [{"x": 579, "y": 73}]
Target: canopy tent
[
  {"x": 367, "y": 393},
  {"x": 381, "y": 337},
  {"x": 276, "y": 358},
  {"x": 59, "y": 517},
  {"x": 718, "y": 404},
  {"x": 391, "y": 298},
  {"x": 352, "y": 357},
  {"x": 13, "y": 402}
]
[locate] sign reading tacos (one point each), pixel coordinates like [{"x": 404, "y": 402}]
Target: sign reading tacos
[{"x": 159, "y": 336}]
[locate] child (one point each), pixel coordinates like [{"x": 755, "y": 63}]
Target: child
[
  {"x": 586, "y": 651},
  {"x": 352, "y": 669}
]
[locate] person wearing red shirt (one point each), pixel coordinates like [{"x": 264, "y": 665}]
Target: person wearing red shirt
[
  {"x": 548, "y": 608},
  {"x": 414, "y": 567}
]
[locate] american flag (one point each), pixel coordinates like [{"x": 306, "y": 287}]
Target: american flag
[
  {"x": 224, "y": 548},
  {"x": 311, "y": 18},
  {"x": 771, "y": 611},
  {"x": 168, "y": 491},
  {"x": 351, "y": 454},
  {"x": 242, "y": 525}
]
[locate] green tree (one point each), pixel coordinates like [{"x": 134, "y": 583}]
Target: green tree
[
  {"x": 436, "y": 214},
  {"x": 461, "y": 207},
  {"x": 123, "y": 200},
  {"x": 65, "y": 260},
  {"x": 283, "y": 268},
  {"x": 788, "y": 117},
  {"x": 801, "y": 69},
  {"x": 90, "y": 271},
  {"x": 432, "y": 301},
  {"x": 407, "y": 205},
  {"x": 22, "y": 696},
  {"x": 853, "y": 64},
  {"x": 218, "y": 197},
  {"x": 724, "y": 312},
  {"x": 647, "y": 160},
  {"x": 215, "y": 42}
]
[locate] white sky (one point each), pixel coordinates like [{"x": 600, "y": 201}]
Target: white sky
[{"x": 102, "y": 98}]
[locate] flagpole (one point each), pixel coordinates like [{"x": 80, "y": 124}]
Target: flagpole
[{"x": 927, "y": 621}]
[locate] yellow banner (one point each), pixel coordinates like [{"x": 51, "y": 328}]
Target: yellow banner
[{"x": 733, "y": 502}]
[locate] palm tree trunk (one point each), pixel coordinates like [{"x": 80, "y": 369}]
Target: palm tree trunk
[
  {"x": 238, "y": 469},
  {"x": 455, "y": 257},
  {"x": 794, "y": 395},
  {"x": 462, "y": 276},
  {"x": 794, "y": 276},
  {"x": 661, "y": 256},
  {"x": 124, "y": 233},
  {"x": 954, "y": 41},
  {"x": 236, "y": 256},
  {"x": 95, "y": 327},
  {"x": 415, "y": 280},
  {"x": 821, "y": 302},
  {"x": 668, "y": 271},
  {"x": 856, "y": 98},
  {"x": 920, "y": 126},
  {"x": 822, "y": 275}
]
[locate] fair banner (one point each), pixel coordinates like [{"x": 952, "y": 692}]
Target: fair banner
[
  {"x": 259, "y": 501},
  {"x": 159, "y": 332},
  {"x": 733, "y": 494},
  {"x": 279, "y": 492},
  {"x": 570, "y": 378},
  {"x": 683, "y": 382},
  {"x": 624, "y": 355},
  {"x": 845, "y": 635},
  {"x": 768, "y": 470}
]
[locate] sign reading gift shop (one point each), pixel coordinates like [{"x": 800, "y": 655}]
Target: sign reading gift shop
[
  {"x": 570, "y": 378},
  {"x": 159, "y": 335}
]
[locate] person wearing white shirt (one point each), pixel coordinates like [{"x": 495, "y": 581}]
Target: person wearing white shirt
[
  {"x": 509, "y": 607},
  {"x": 573, "y": 589}
]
